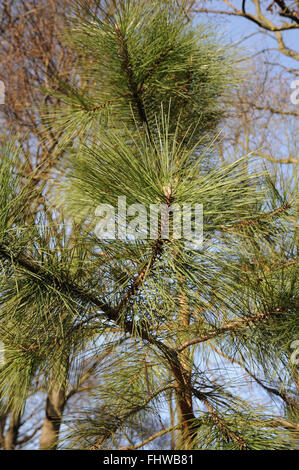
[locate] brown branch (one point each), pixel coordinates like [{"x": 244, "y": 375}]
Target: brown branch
[
  {"x": 284, "y": 161},
  {"x": 154, "y": 67},
  {"x": 284, "y": 49},
  {"x": 151, "y": 438},
  {"x": 281, "y": 422},
  {"x": 273, "y": 110},
  {"x": 256, "y": 220},
  {"x": 156, "y": 250},
  {"x": 250, "y": 17},
  {"x": 122, "y": 420},
  {"x": 220, "y": 423},
  {"x": 286, "y": 12},
  {"x": 231, "y": 326},
  {"x": 127, "y": 68},
  {"x": 268, "y": 389},
  {"x": 28, "y": 438},
  {"x": 107, "y": 103}
]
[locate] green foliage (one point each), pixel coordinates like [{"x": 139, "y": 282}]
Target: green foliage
[
  {"x": 131, "y": 63},
  {"x": 131, "y": 324}
]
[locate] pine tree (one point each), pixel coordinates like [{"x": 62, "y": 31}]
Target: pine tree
[{"x": 177, "y": 337}]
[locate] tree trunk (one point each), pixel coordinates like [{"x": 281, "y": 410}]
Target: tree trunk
[
  {"x": 54, "y": 411},
  {"x": 11, "y": 436},
  {"x": 185, "y": 404}
]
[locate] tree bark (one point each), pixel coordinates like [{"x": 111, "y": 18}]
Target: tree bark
[
  {"x": 54, "y": 410},
  {"x": 10, "y": 439},
  {"x": 185, "y": 402}
]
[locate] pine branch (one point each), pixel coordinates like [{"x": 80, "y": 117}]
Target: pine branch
[
  {"x": 225, "y": 430},
  {"x": 156, "y": 250},
  {"x": 133, "y": 87},
  {"x": 232, "y": 326},
  {"x": 288, "y": 400},
  {"x": 121, "y": 421},
  {"x": 261, "y": 217},
  {"x": 151, "y": 438},
  {"x": 112, "y": 314},
  {"x": 91, "y": 370},
  {"x": 155, "y": 65}
]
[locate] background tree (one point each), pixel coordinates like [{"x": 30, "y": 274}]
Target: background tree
[
  {"x": 274, "y": 18},
  {"x": 32, "y": 55},
  {"x": 109, "y": 297}
]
